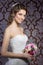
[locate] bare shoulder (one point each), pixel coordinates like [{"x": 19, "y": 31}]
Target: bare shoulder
[
  {"x": 10, "y": 30},
  {"x": 7, "y": 32}
]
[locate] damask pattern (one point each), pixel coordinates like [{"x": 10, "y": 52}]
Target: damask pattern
[{"x": 33, "y": 25}]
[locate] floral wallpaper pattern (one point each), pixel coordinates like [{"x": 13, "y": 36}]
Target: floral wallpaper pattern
[{"x": 33, "y": 25}]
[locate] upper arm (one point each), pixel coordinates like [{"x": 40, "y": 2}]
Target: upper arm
[{"x": 5, "y": 41}]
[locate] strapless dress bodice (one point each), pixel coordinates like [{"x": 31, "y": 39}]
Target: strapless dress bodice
[{"x": 18, "y": 43}]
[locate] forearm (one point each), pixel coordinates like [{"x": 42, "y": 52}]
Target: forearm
[{"x": 12, "y": 55}]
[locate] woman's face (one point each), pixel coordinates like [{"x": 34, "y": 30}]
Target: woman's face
[{"x": 20, "y": 16}]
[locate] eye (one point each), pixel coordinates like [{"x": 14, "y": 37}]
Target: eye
[
  {"x": 20, "y": 13},
  {"x": 24, "y": 15}
]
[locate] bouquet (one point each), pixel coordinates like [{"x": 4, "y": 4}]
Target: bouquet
[{"x": 31, "y": 48}]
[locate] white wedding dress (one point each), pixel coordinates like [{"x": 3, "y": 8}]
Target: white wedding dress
[{"x": 17, "y": 43}]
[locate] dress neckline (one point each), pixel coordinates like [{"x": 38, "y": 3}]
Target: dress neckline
[{"x": 18, "y": 35}]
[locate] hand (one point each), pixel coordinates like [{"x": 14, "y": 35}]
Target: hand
[
  {"x": 33, "y": 58},
  {"x": 27, "y": 55}
]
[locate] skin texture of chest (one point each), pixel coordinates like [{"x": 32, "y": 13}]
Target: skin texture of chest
[{"x": 16, "y": 31}]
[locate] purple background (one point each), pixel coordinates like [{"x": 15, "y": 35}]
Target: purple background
[{"x": 33, "y": 26}]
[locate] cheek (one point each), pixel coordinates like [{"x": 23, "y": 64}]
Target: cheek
[{"x": 17, "y": 17}]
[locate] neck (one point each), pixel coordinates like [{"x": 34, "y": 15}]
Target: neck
[{"x": 15, "y": 23}]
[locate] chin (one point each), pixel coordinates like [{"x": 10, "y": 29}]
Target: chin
[{"x": 19, "y": 22}]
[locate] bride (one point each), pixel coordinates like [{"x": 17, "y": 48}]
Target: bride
[{"x": 14, "y": 34}]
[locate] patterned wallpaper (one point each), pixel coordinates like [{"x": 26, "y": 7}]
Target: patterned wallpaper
[{"x": 33, "y": 25}]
